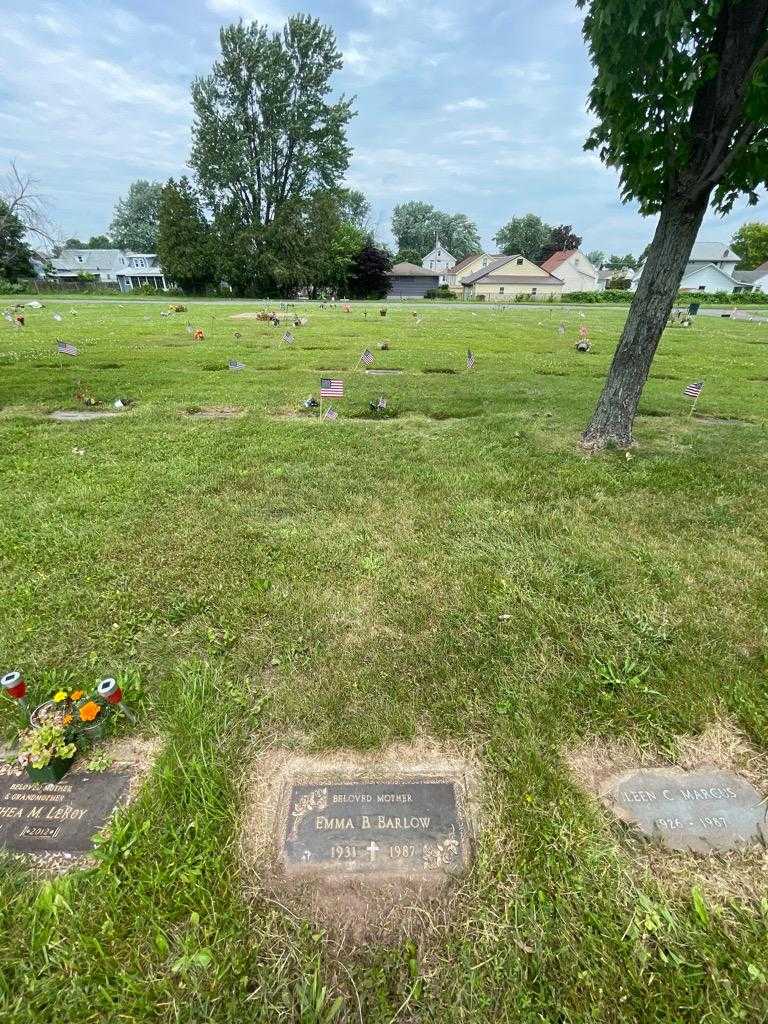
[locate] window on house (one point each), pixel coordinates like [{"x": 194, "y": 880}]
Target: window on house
[
  {"x": 533, "y": 291},
  {"x": 79, "y": 259},
  {"x": 501, "y": 290},
  {"x": 520, "y": 262},
  {"x": 702, "y": 287}
]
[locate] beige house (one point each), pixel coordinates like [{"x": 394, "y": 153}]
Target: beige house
[
  {"x": 574, "y": 269},
  {"x": 469, "y": 265},
  {"x": 506, "y": 277}
]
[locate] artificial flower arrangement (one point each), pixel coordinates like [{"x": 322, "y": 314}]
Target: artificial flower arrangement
[{"x": 58, "y": 727}]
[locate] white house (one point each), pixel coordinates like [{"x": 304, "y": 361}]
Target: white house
[
  {"x": 439, "y": 259},
  {"x": 605, "y": 276},
  {"x": 125, "y": 269},
  {"x": 753, "y": 280},
  {"x": 710, "y": 268},
  {"x": 574, "y": 270},
  {"x": 504, "y": 278}
]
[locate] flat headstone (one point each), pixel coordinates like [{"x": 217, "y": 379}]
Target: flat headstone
[
  {"x": 381, "y": 372},
  {"x": 79, "y": 416},
  {"x": 404, "y": 826},
  {"x": 57, "y": 818},
  {"x": 703, "y": 811}
]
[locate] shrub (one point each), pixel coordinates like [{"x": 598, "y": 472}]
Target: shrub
[{"x": 442, "y": 292}]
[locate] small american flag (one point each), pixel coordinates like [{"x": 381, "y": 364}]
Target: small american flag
[
  {"x": 288, "y": 338},
  {"x": 330, "y": 414},
  {"x": 583, "y": 331},
  {"x": 382, "y": 402},
  {"x": 234, "y": 365},
  {"x": 470, "y": 359},
  {"x": 65, "y": 349},
  {"x": 58, "y": 317},
  {"x": 331, "y": 388},
  {"x": 694, "y": 390},
  {"x": 367, "y": 357}
]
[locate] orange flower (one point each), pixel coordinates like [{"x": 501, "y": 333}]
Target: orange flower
[
  {"x": 89, "y": 711},
  {"x": 77, "y": 694},
  {"x": 66, "y": 720}
]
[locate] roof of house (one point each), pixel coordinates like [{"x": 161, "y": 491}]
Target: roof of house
[
  {"x": 489, "y": 273},
  {"x": 88, "y": 260},
  {"x": 520, "y": 279},
  {"x": 557, "y": 258},
  {"x": 627, "y": 273},
  {"x": 709, "y": 266},
  {"x": 763, "y": 268},
  {"x": 411, "y": 270},
  {"x": 750, "y": 276},
  {"x": 712, "y": 252},
  {"x": 465, "y": 262}
]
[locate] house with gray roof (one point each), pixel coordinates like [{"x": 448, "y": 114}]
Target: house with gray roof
[
  {"x": 407, "y": 281},
  {"x": 710, "y": 268},
  {"x": 117, "y": 267},
  {"x": 508, "y": 277}
]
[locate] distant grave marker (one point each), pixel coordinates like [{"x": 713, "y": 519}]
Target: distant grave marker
[
  {"x": 398, "y": 826},
  {"x": 79, "y": 415},
  {"x": 702, "y": 811},
  {"x": 57, "y": 818}
]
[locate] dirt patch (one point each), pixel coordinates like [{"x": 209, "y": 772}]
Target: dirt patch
[
  {"x": 354, "y": 908},
  {"x": 715, "y": 421},
  {"x": 79, "y": 415},
  {"x": 657, "y": 413},
  {"x": 214, "y": 412},
  {"x": 107, "y": 366},
  {"x": 438, "y": 369},
  {"x": 721, "y": 876}
]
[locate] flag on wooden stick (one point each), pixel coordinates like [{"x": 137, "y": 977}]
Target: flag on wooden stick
[
  {"x": 367, "y": 357},
  {"x": 694, "y": 390},
  {"x": 470, "y": 359},
  {"x": 330, "y": 388},
  {"x": 65, "y": 349}
]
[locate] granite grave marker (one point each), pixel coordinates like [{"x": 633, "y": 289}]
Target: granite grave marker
[
  {"x": 702, "y": 811},
  {"x": 413, "y": 826},
  {"x": 56, "y": 818}
]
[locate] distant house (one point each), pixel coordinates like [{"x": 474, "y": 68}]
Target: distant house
[
  {"x": 439, "y": 259},
  {"x": 126, "y": 270},
  {"x": 407, "y": 281},
  {"x": 752, "y": 280},
  {"x": 574, "y": 269},
  {"x": 509, "y": 276},
  {"x": 469, "y": 265},
  {"x": 711, "y": 268},
  {"x": 605, "y": 276}
]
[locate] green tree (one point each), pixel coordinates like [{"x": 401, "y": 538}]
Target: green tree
[
  {"x": 74, "y": 243},
  {"x": 620, "y": 262},
  {"x": 184, "y": 237},
  {"x": 751, "y": 243},
  {"x": 355, "y": 208},
  {"x": 596, "y": 257},
  {"x": 135, "y": 218},
  {"x": 99, "y": 242},
  {"x": 416, "y": 224},
  {"x": 15, "y": 254},
  {"x": 525, "y": 236},
  {"x": 561, "y": 239},
  {"x": 266, "y": 141},
  {"x": 680, "y": 94},
  {"x": 408, "y": 256},
  {"x": 368, "y": 275}
]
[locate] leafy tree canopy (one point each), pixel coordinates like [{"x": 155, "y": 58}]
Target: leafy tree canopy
[
  {"x": 561, "y": 239},
  {"x": 136, "y": 216},
  {"x": 15, "y": 254},
  {"x": 527, "y": 236},
  {"x": 620, "y": 262},
  {"x": 659, "y": 91},
  {"x": 408, "y": 256},
  {"x": 368, "y": 274},
  {"x": 416, "y": 224},
  {"x": 596, "y": 257},
  {"x": 751, "y": 243},
  {"x": 184, "y": 237},
  {"x": 265, "y": 134}
]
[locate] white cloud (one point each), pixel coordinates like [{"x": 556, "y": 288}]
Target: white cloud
[
  {"x": 473, "y": 103},
  {"x": 262, "y": 11}
]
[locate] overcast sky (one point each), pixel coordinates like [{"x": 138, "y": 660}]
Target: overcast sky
[{"x": 475, "y": 107}]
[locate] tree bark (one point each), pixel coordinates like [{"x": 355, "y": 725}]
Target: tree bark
[{"x": 676, "y": 232}]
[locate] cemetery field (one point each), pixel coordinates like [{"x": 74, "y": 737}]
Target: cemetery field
[{"x": 453, "y": 572}]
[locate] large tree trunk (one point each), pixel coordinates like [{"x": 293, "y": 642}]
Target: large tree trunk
[{"x": 676, "y": 232}]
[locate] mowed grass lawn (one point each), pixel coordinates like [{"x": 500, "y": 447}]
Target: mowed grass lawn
[{"x": 269, "y": 580}]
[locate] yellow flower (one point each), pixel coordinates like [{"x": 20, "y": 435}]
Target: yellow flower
[
  {"x": 60, "y": 696},
  {"x": 89, "y": 711},
  {"x": 77, "y": 694}
]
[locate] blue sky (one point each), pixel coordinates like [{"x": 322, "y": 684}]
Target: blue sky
[{"x": 477, "y": 108}]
